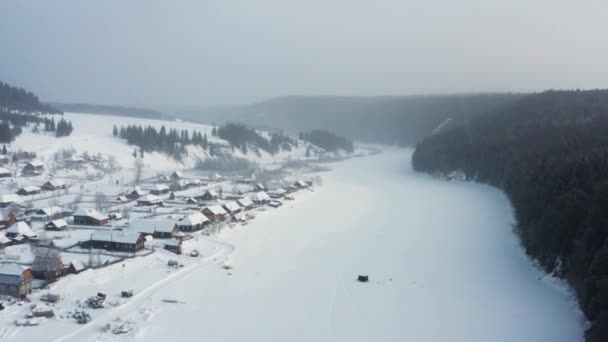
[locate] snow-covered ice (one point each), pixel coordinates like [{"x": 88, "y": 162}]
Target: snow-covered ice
[{"x": 443, "y": 262}]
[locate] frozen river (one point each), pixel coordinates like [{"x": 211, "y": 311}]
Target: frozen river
[{"x": 443, "y": 263}]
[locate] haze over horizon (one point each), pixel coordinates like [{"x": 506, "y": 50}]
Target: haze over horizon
[{"x": 205, "y": 53}]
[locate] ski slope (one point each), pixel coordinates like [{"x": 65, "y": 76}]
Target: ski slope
[{"x": 443, "y": 263}]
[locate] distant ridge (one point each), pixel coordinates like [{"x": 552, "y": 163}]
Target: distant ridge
[{"x": 135, "y": 112}]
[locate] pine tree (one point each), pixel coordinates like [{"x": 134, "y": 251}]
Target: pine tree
[
  {"x": 4, "y": 152},
  {"x": 134, "y": 153}
]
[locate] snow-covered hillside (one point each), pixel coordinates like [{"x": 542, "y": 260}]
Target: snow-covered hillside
[{"x": 93, "y": 134}]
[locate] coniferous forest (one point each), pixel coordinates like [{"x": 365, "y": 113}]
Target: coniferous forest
[{"x": 549, "y": 153}]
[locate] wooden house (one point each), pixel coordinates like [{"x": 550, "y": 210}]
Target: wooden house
[
  {"x": 5, "y": 173},
  {"x": 232, "y": 208},
  {"x": 28, "y": 190},
  {"x": 176, "y": 175},
  {"x": 136, "y": 193},
  {"x": 54, "y": 184},
  {"x": 76, "y": 267},
  {"x": 58, "y": 224},
  {"x": 20, "y": 230},
  {"x": 260, "y": 198},
  {"x": 174, "y": 246},
  {"x": 15, "y": 280},
  {"x": 245, "y": 203},
  {"x": 149, "y": 200},
  {"x": 90, "y": 217},
  {"x": 157, "y": 228},
  {"x": 50, "y": 213},
  {"x": 193, "y": 222},
  {"x": 32, "y": 168},
  {"x": 158, "y": 189},
  {"x": 208, "y": 195},
  {"x": 115, "y": 241},
  {"x": 215, "y": 213}
]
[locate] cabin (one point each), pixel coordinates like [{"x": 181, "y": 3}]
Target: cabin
[
  {"x": 208, "y": 195},
  {"x": 158, "y": 189},
  {"x": 174, "y": 246},
  {"x": 54, "y": 184},
  {"x": 193, "y": 222},
  {"x": 157, "y": 228},
  {"x": 232, "y": 208},
  {"x": 176, "y": 175},
  {"x": 76, "y": 267},
  {"x": 136, "y": 193},
  {"x": 215, "y": 213},
  {"x": 15, "y": 280},
  {"x": 90, "y": 217},
  {"x": 245, "y": 203},
  {"x": 259, "y": 187},
  {"x": 115, "y": 241},
  {"x": 149, "y": 200},
  {"x": 5, "y": 173},
  {"x": 190, "y": 200},
  {"x": 179, "y": 184},
  {"x": 19, "y": 231},
  {"x": 59, "y": 224},
  {"x": 24, "y": 155},
  {"x": 122, "y": 199},
  {"x": 32, "y": 168},
  {"x": 260, "y": 198},
  {"x": 6, "y": 200},
  {"x": 278, "y": 193},
  {"x": 50, "y": 213},
  {"x": 275, "y": 203},
  {"x": 28, "y": 190}
]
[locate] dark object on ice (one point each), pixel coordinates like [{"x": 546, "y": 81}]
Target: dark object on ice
[
  {"x": 1, "y": 306},
  {"x": 101, "y": 295},
  {"x": 50, "y": 297},
  {"x": 194, "y": 253},
  {"x": 97, "y": 301},
  {"x": 363, "y": 278},
  {"x": 126, "y": 294}
]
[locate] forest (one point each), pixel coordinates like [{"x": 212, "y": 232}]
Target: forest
[
  {"x": 327, "y": 140},
  {"x": 549, "y": 153},
  {"x": 239, "y": 136},
  {"x": 169, "y": 141},
  {"x": 14, "y": 98}
]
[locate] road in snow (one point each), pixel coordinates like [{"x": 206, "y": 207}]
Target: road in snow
[{"x": 443, "y": 262}]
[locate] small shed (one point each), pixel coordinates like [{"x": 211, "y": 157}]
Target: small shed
[
  {"x": 28, "y": 190},
  {"x": 15, "y": 280},
  {"x": 90, "y": 217},
  {"x": 4, "y": 173},
  {"x": 149, "y": 200},
  {"x": 59, "y": 224},
  {"x": 174, "y": 246},
  {"x": 193, "y": 222},
  {"x": 215, "y": 213}
]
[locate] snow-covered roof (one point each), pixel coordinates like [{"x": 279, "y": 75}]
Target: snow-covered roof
[
  {"x": 177, "y": 174},
  {"x": 21, "y": 228},
  {"x": 149, "y": 198},
  {"x": 216, "y": 209},
  {"x": 30, "y": 188},
  {"x": 300, "y": 183},
  {"x": 173, "y": 242},
  {"x": 260, "y": 196},
  {"x": 157, "y": 187},
  {"x": 212, "y": 193},
  {"x": 4, "y": 170},
  {"x": 56, "y": 182},
  {"x": 193, "y": 219},
  {"x": 59, "y": 223},
  {"x": 232, "y": 206},
  {"x": 77, "y": 265},
  {"x": 280, "y": 191},
  {"x": 10, "y": 198},
  {"x": 138, "y": 191},
  {"x": 35, "y": 164},
  {"x": 12, "y": 269},
  {"x": 50, "y": 211},
  {"x": 120, "y": 237},
  {"x": 4, "y": 239},
  {"x": 244, "y": 202},
  {"x": 151, "y": 226},
  {"x": 91, "y": 213}
]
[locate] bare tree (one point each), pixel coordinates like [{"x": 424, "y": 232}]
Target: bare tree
[{"x": 47, "y": 261}]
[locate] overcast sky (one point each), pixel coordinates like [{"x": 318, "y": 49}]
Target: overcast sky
[{"x": 203, "y": 52}]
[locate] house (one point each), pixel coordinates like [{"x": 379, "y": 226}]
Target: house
[
  {"x": 122, "y": 199},
  {"x": 190, "y": 200},
  {"x": 15, "y": 280},
  {"x": 20, "y": 230},
  {"x": 32, "y": 168},
  {"x": 6, "y": 200},
  {"x": 59, "y": 224},
  {"x": 136, "y": 193},
  {"x": 177, "y": 175},
  {"x": 245, "y": 203},
  {"x": 193, "y": 222},
  {"x": 4, "y": 241},
  {"x": 208, "y": 195},
  {"x": 260, "y": 197},
  {"x": 278, "y": 193},
  {"x": 215, "y": 213},
  {"x": 148, "y": 200},
  {"x": 232, "y": 208},
  {"x": 174, "y": 246},
  {"x": 179, "y": 184},
  {"x": 259, "y": 187},
  {"x": 275, "y": 203},
  {"x": 158, "y": 228},
  {"x": 300, "y": 184},
  {"x": 50, "y": 213},
  {"x": 115, "y": 241},
  {"x": 28, "y": 190},
  {"x": 54, "y": 184},
  {"x": 4, "y": 173},
  {"x": 76, "y": 267},
  {"x": 90, "y": 217},
  {"x": 158, "y": 189}
]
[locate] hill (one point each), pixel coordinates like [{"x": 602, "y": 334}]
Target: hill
[
  {"x": 549, "y": 153},
  {"x": 135, "y": 112},
  {"x": 19, "y": 100}
]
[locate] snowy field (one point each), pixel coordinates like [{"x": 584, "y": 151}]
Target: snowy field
[{"x": 443, "y": 263}]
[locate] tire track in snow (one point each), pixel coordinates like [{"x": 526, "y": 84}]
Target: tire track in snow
[{"x": 146, "y": 293}]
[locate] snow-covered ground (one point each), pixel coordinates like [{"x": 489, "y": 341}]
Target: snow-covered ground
[{"x": 443, "y": 263}]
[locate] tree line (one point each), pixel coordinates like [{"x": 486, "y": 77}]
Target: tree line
[
  {"x": 11, "y": 125},
  {"x": 240, "y": 136},
  {"x": 14, "y": 98},
  {"x": 327, "y": 140},
  {"x": 169, "y": 141},
  {"x": 549, "y": 153}
]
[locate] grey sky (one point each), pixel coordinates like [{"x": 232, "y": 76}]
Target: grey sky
[{"x": 201, "y": 52}]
